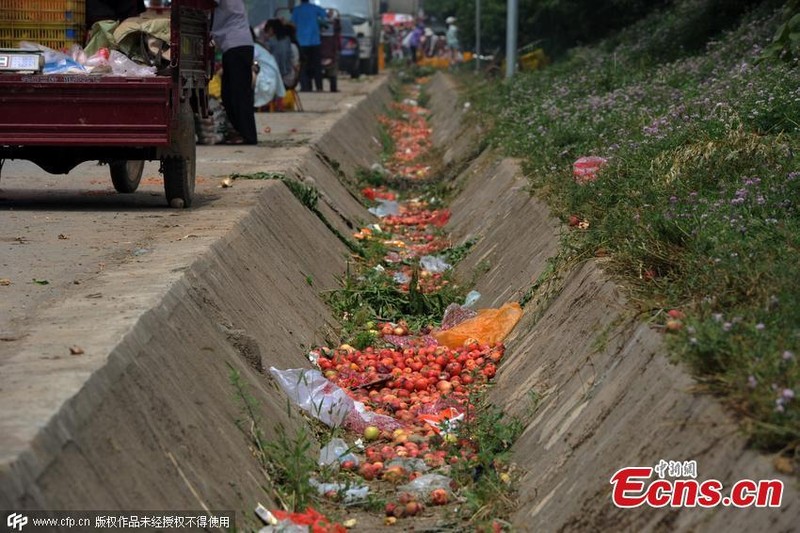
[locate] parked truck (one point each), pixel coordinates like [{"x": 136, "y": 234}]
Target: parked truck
[
  {"x": 401, "y": 6},
  {"x": 366, "y": 18}
]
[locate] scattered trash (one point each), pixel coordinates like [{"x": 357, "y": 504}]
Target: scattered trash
[
  {"x": 227, "y": 182},
  {"x": 377, "y": 167},
  {"x": 315, "y": 394},
  {"x": 401, "y": 277},
  {"x": 445, "y": 421},
  {"x": 385, "y": 208},
  {"x": 265, "y": 516},
  {"x": 75, "y": 350},
  {"x": 348, "y": 493},
  {"x": 423, "y": 485},
  {"x": 328, "y": 402},
  {"x": 411, "y": 464},
  {"x": 140, "y": 251},
  {"x": 435, "y": 265},
  {"x": 471, "y": 298},
  {"x": 5, "y": 282},
  {"x": 40, "y": 281},
  {"x": 455, "y": 314},
  {"x": 336, "y": 450},
  {"x": 489, "y": 326},
  {"x": 585, "y": 169},
  {"x": 310, "y": 520}
]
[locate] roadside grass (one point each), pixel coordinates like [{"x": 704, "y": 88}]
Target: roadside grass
[{"x": 698, "y": 208}]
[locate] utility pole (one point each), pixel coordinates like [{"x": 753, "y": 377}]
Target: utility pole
[
  {"x": 477, "y": 35},
  {"x": 511, "y": 38}
]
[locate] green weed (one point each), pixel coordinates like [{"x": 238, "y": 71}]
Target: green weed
[
  {"x": 286, "y": 461},
  {"x": 487, "y": 483}
]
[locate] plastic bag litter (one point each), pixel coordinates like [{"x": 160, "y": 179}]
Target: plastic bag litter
[
  {"x": 326, "y": 401},
  {"x": 315, "y": 394},
  {"x": 401, "y": 277},
  {"x": 434, "y": 264},
  {"x": 385, "y": 208},
  {"x": 410, "y": 341},
  {"x": 377, "y": 167},
  {"x": 489, "y": 326},
  {"x": 410, "y": 464},
  {"x": 471, "y": 298},
  {"x": 423, "y": 485},
  {"x": 310, "y": 520},
  {"x": 455, "y": 314},
  {"x": 284, "y": 526},
  {"x": 585, "y": 169},
  {"x": 336, "y": 450},
  {"x": 359, "y": 419},
  {"x": 351, "y": 494},
  {"x": 445, "y": 421}
]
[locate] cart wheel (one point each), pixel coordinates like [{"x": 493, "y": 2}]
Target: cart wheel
[
  {"x": 179, "y": 168},
  {"x": 126, "y": 175}
]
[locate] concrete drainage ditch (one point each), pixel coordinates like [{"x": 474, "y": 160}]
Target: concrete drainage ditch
[{"x": 153, "y": 425}]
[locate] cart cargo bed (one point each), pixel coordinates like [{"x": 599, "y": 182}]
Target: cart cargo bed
[{"x": 79, "y": 110}]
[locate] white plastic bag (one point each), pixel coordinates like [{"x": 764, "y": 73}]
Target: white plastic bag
[
  {"x": 315, "y": 394},
  {"x": 122, "y": 65},
  {"x": 423, "y": 485},
  {"x": 385, "y": 208},
  {"x": 433, "y": 264},
  {"x": 336, "y": 450},
  {"x": 351, "y": 494}
]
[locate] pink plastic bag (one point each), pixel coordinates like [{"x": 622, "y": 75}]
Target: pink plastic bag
[{"x": 585, "y": 169}]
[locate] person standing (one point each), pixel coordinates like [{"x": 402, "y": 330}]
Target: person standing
[
  {"x": 232, "y": 35},
  {"x": 453, "y": 45},
  {"x": 413, "y": 40},
  {"x": 307, "y": 18},
  {"x": 331, "y": 48}
]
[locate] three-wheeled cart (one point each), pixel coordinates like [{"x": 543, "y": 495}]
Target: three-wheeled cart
[{"x": 58, "y": 121}]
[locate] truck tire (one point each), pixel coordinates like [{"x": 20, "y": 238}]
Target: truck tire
[
  {"x": 179, "y": 166},
  {"x": 126, "y": 175}
]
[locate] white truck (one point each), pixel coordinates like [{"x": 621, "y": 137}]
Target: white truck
[{"x": 366, "y": 18}]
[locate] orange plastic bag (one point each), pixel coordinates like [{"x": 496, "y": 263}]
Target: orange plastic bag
[{"x": 488, "y": 327}]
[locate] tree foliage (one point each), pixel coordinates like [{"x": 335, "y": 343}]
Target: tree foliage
[{"x": 558, "y": 25}]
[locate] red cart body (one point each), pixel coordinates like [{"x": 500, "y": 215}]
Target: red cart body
[{"x": 59, "y": 121}]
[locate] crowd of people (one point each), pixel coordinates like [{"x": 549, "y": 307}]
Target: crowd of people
[
  {"x": 262, "y": 66},
  {"x": 412, "y": 41}
]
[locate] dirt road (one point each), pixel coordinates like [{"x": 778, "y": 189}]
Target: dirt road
[{"x": 60, "y": 231}]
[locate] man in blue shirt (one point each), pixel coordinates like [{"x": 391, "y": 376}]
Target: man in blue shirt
[{"x": 307, "y": 18}]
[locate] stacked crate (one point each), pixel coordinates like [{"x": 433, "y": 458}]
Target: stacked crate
[{"x": 53, "y": 23}]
